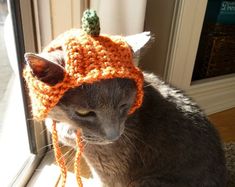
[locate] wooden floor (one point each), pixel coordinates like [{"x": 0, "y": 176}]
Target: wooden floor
[{"x": 225, "y": 124}]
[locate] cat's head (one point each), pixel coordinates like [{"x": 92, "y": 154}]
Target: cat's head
[{"x": 99, "y": 109}]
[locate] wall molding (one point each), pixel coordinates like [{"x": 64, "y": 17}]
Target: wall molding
[
  {"x": 186, "y": 30},
  {"x": 213, "y": 95},
  {"x": 50, "y": 22}
]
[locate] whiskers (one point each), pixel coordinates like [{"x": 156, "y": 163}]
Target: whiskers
[
  {"x": 134, "y": 134},
  {"x": 93, "y": 139},
  {"x": 44, "y": 131},
  {"x": 147, "y": 85},
  {"x": 44, "y": 148},
  {"x": 126, "y": 138},
  {"x": 51, "y": 150}
]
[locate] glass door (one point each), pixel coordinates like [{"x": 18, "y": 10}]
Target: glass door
[
  {"x": 188, "y": 19},
  {"x": 18, "y": 135},
  {"x": 216, "y": 51}
]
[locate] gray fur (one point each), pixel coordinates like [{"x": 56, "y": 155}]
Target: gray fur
[{"x": 168, "y": 142}]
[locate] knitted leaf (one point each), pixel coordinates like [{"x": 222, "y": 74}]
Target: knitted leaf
[{"x": 91, "y": 23}]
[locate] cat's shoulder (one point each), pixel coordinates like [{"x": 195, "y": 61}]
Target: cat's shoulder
[
  {"x": 155, "y": 83},
  {"x": 169, "y": 93}
]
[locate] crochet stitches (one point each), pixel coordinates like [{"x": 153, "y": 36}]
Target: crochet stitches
[
  {"x": 91, "y": 23},
  {"x": 87, "y": 59}
]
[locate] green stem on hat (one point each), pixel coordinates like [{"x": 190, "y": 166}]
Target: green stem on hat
[{"x": 91, "y": 23}]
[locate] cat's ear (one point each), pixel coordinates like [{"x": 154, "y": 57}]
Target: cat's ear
[
  {"x": 45, "y": 70},
  {"x": 139, "y": 41}
]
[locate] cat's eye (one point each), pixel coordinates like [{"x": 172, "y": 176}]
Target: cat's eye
[{"x": 84, "y": 113}]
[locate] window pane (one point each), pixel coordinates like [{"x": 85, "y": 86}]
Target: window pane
[
  {"x": 14, "y": 142},
  {"x": 216, "y": 51}
]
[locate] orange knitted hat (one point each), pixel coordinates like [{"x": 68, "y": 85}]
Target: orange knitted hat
[{"x": 88, "y": 59}]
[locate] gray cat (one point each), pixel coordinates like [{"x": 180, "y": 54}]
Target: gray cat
[{"x": 168, "y": 142}]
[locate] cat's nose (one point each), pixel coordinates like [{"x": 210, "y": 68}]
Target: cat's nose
[{"x": 112, "y": 134}]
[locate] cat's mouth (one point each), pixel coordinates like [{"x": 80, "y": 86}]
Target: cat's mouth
[
  {"x": 67, "y": 135},
  {"x": 95, "y": 140},
  {"x": 69, "y": 138}
]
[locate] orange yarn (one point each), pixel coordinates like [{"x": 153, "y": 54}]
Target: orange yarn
[
  {"x": 78, "y": 159},
  {"x": 87, "y": 59},
  {"x": 58, "y": 155},
  {"x": 61, "y": 161}
]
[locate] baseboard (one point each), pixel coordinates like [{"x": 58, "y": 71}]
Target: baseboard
[{"x": 214, "y": 95}]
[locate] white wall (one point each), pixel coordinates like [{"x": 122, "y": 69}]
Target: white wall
[
  {"x": 56, "y": 16},
  {"x": 158, "y": 20},
  {"x": 122, "y": 17}
]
